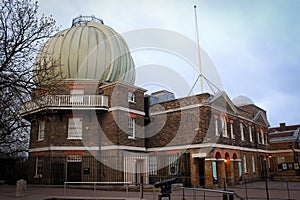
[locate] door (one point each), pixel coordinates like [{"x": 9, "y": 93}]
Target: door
[
  {"x": 202, "y": 171},
  {"x": 263, "y": 167},
  {"x": 57, "y": 173},
  {"x": 139, "y": 172},
  {"x": 74, "y": 171}
]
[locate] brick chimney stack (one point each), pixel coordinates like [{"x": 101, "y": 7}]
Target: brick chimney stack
[{"x": 282, "y": 126}]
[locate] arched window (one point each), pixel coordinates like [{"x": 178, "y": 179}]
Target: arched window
[
  {"x": 250, "y": 133},
  {"x": 216, "y": 127},
  {"x": 242, "y": 131},
  {"x": 245, "y": 163},
  {"x": 262, "y": 136},
  {"x": 224, "y": 126}
]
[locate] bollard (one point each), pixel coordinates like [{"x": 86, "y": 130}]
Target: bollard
[{"x": 21, "y": 188}]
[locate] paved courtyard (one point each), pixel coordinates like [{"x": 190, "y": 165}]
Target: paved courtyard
[{"x": 256, "y": 190}]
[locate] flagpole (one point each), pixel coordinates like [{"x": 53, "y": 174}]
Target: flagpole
[{"x": 198, "y": 46}]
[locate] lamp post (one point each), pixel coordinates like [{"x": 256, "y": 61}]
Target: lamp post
[{"x": 296, "y": 163}]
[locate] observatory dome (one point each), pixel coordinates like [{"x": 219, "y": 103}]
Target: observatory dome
[
  {"x": 88, "y": 50},
  {"x": 242, "y": 101}
]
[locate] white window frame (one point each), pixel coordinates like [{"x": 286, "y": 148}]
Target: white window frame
[
  {"x": 131, "y": 97},
  {"x": 41, "y": 131},
  {"x": 258, "y": 137},
  {"x": 242, "y": 131},
  {"x": 216, "y": 127},
  {"x": 262, "y": 137},
  {"x": 231, "y": 131},
  {"x": 153, "y": 165},
  {"x": 174, "y": 162},
  {"x": 253, "y": 164},
  {"x": 75, "y": 128},
  {"x": 131, "y": 128},
  {"x": 266, "y": 138},
  {"x": 245, "y": 163},
  {"x": 224, "y": 126},
  {"x": 39, "y": 167},
  {"x": 250, "y": 133}
]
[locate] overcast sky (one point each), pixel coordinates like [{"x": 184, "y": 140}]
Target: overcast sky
[{"x": 254, "y": 45}]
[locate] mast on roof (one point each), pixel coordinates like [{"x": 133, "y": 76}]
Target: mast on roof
[{"x": 199, "y": 53}]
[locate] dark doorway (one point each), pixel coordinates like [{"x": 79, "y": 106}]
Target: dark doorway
[
  {"x": 139, "y": 172},
  {"x": 202, "y": 171},
  {"x": 74, "y": 171},
  {"x": 57, "y": 173},
  {"x": 263, "y": 167}
]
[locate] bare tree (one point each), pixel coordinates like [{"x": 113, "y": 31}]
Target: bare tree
[{"x": 21, "y": 34}]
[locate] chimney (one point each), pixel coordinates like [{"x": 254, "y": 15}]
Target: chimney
[{"x": 282, "y": 126}]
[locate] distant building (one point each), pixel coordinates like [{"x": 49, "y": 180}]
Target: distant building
[
  {"x": 100, "y": 127},
  {"x": 161, "y": 96},
  {"x": 284, "y": 149}
]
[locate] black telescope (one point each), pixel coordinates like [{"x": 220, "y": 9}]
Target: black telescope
[{"x": 165, "y": 188}]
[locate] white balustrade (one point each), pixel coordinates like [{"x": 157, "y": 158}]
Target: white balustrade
[{"x": 84, "y": 101}]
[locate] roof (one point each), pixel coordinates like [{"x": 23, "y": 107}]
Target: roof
[
  {"x": 88, "y": 50},
  {"x": 284, "y": 133}
]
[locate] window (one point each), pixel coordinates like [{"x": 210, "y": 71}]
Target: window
[
  {"x": 242, "y": 131},
  {"x": 153, "y": 165},
  {"x": 75, "y": 128},
  {"x": 74, "y": 158},
  {"x": 38, "y": 167},
  {"x": 266, "y": 139},
  {"x": 41, "y": 131},
  {"x": 240, "y": 169},
  {"x": 76, "y": 96},
  {"x": 250, "y": 133},
  {"x": 253, "y": 163},
  {"x": 173, "y": 164},
  {"x": 131, "y": 127},
  {"x": 131, "y": 97},
  {"x": 224, "y": 126},
  {"x": 216, "y": 127},
  {"x": 245, "y": 163},
  {"x": 258, "y": 138},
  {"x": 231, "y": 131},
  {"x": 262, "y": 137}
]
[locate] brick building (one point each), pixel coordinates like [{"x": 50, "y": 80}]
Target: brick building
[
  {"x": 284, "y": 150},
  {"x": 100, "y": 127}
]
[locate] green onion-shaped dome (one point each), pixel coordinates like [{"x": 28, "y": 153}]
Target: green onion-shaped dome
[{"x": 88, "y": 50}]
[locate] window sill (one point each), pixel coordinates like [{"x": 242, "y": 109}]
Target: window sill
[
  {"x": 38, "y": 176},
  {"x": 133, "y": 102},
  {"x": 74, "y": 138},
  {"x": 40, "y": 140},
  {"x": 131, "y": 138}
]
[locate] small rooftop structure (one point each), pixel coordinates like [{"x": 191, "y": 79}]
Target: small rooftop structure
[
  {"x": 284, "y": 133},
  {"x": 161, "y": 96},
  {"x": 84, "y": 19},
  {"x": 242, "y": 101}
]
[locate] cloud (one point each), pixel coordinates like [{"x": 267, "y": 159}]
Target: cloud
[{"x": 255, "y": 45}]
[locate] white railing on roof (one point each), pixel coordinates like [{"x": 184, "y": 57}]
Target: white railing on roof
[{"x": 84, "y": 101}]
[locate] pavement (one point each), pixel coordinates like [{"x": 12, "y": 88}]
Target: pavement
[{"x": 255, "y": 190}]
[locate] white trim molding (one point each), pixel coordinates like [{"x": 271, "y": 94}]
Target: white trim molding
[{"x": 126, "y": 110}]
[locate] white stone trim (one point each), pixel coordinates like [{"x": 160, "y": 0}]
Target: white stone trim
[
  {"x": 207, "y": 145},
  {"x": 83, "y": 148},
  {"x": 199, "y": 155},
  {"x": 170, "y": 148},
  {"x": 126, "y": 110},
  {"x": 210, "y": 159},
  {"x": 176, "y": 109}
]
